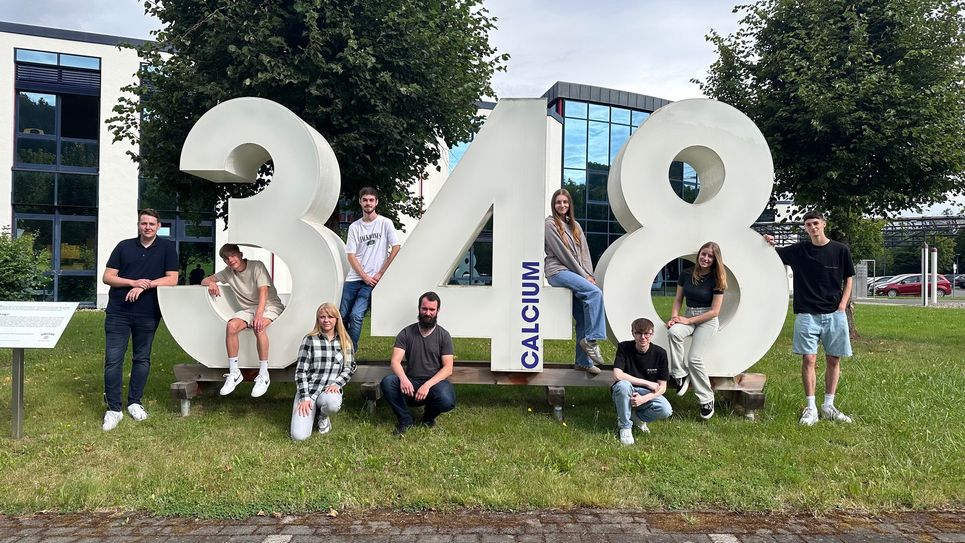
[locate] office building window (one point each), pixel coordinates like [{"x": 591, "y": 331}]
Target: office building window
[{"x": 56, "y": 158}]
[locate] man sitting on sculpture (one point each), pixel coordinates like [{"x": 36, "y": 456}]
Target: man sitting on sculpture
[{"x": 260, "y": 306}]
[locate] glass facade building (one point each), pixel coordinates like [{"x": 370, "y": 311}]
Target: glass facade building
[
  {"x": 56, "y": 164},
  {"x": 60, "y": 165},
  {"x": 593, "y": 134}
]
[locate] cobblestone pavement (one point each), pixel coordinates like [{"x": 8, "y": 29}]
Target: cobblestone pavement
[{"x": 575, "y": 525}]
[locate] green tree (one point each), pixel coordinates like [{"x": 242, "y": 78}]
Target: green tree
[
  {"x": 866, "y": 238},
  {"x": 861, "y": 101},
  {"x": 906, "y": 260},
  {"x": 22, "y": 267},
  {"x": 383, "y": 82},
  {"x": 946, "y": 252}
]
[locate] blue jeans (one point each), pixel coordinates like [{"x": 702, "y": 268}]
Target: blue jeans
[
  {"x": 117, "y": 329},
  {"x": 355, "y": 302},
  {"x": 587, "y": 310},
  {"x": 441, "y": 398},
  {"x": 656, "y": 409}
]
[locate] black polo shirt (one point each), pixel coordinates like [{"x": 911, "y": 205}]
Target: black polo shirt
[{"x": 134, "y": 261}]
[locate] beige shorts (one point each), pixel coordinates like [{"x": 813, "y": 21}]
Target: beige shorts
[{"x": 248, "y": 315}]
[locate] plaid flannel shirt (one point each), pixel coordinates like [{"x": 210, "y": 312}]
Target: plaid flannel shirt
[{"x": 321, "y": 363}]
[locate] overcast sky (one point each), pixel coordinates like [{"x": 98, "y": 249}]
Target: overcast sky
[{"x": 652, "y": 47}]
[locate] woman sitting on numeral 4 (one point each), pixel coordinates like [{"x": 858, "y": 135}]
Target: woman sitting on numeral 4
[
  {"x": 325, "y": 364},
  {"x": 568, "y": 265},
  {"x": 703, "y": 290}
]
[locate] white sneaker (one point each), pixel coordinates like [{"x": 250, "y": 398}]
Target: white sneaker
[
  {"x": 261, "y": 385},
  {"x": 642, "y": 426},
  {"x": 324, "y": 425},
  {"x": 112, "y": 419},
  {"x": 809, "y": 417},
  {"x": 232, "y": 379},
  {"x": 626, "y": 436},
  {"x": 137, "y": 412},
  {"x": 830, "y": 412}
]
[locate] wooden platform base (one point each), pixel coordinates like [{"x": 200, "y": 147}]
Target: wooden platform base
[{"x": 745, "y": 390}]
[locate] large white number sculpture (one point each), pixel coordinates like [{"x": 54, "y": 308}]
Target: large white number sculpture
[
  {"x": 734, "y": 166},
  {"x": 501, "y": 175},
  {"x": 228, "y": 145}
]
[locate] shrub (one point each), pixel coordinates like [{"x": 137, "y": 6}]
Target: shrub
[{"x": 22, "y": 268}]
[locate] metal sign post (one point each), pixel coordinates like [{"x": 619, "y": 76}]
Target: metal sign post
[
  {"x": 33, "y": 325},
  {"x": 16, "y": 399}
]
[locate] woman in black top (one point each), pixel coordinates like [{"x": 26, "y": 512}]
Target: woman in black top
[{"x": 703, "y": 289}]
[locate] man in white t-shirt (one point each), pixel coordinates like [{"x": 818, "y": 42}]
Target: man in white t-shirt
[
  {"x": 371, "y": 246},
  {"x": 253, "y": 287}
]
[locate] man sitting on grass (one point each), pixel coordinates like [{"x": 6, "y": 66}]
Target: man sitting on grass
[
  {"x": 255, "y": 291},
  {"x": 427, "y": 351},
  {"x": 641, "y": 370}
]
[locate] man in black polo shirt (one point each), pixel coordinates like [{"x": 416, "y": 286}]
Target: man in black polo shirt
[
  {"x": 135, "y": 269},
  {"x": 427, "y": 350}
]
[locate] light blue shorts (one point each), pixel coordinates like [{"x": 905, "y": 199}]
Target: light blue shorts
[{"x": 830, "y": 328}]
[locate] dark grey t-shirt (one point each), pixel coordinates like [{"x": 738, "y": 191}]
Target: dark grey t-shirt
[{"x": 423, "y": 355}]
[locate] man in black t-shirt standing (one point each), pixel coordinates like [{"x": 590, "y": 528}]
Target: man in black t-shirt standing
[
  {"x": 427, "y": 350},
  {"x": 641, "y": 370},
  {"x": 135, "y": 269},
  {"x": 823, "y": 275}
]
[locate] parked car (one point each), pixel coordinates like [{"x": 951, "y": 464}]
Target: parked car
[
  {"x": 875, "y": 281},
  {"x": 910, "y": 284},
  {"x": 960, "y": 280}
]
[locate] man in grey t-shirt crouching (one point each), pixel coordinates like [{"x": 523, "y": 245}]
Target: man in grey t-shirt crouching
[{"x": 427, "y": 350}]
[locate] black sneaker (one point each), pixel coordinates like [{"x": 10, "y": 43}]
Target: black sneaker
[
  {"x": 428, "y": 423},
  {"x": 401, "y": 429},
  {"x": 682, "y": 384},
  {"x": 707, "y": 410}
]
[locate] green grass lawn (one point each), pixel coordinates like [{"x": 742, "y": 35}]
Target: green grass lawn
[{"x": 501, "y": 448}]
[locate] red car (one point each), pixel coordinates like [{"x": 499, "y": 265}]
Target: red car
[{"x": 911, "y": 285}]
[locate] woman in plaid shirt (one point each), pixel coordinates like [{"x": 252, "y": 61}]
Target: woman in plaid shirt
[{"x": 326, "y": 362}]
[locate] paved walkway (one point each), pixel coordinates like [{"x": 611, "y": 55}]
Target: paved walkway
[{"x": 578, "y": 525}]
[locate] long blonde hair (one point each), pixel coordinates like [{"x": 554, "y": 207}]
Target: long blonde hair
[
  {"x": 331, "y": 310},
  {"x": 570, "y": 218},
  {"x": 717, "y": 268}
]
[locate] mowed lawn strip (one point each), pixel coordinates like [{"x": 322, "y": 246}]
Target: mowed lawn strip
[{"x": 501, "y": 448}]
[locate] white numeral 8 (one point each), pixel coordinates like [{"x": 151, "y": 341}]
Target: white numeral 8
[{"x": 735, "y": 170}]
